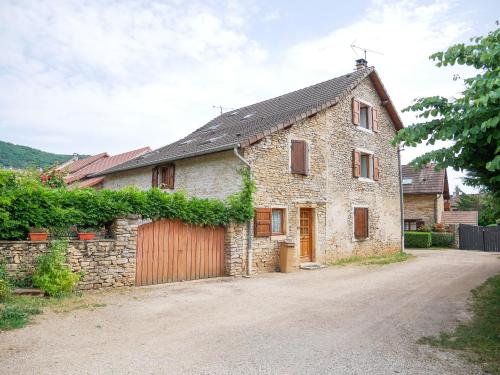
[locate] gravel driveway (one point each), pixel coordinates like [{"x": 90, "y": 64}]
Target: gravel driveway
[{"x": 338, "y": 320}]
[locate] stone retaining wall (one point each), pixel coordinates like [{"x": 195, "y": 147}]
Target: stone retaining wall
[{"x": 105, "y": 263}]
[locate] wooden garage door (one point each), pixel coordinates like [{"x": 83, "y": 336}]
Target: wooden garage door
[{"x": 169, "y": 251}]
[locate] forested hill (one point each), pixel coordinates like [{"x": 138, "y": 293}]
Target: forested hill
[{"x": 22, "y": 157}]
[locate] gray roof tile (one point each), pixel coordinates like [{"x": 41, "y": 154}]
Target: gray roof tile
[{"x": 249, "y": 124}]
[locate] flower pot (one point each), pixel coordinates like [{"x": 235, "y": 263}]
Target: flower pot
[
  {"x": 86, "y": 236},
  {"x": 38, "y": 236}
]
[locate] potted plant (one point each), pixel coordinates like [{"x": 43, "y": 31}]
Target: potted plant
[
  {"x": 86, "y": 234},
  {"x": 38, "y": 234}
]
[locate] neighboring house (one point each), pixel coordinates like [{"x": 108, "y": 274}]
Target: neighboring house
[
  {"x": 327, "y": 176},
  {"x": 79, "y": 170},
  {"x": 460, "y": 217},
  {"x": 425, "y": 193}
]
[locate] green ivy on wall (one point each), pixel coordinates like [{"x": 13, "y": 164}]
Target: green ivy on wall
[{"x": 25, "y": 202}]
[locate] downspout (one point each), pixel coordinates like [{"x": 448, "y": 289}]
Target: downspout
[
  {"x": 249, "y": 223},
  {"x": 401, "y": 201}
]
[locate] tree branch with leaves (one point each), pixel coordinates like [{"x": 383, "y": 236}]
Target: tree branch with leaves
[{"x": 471, "y": 121}]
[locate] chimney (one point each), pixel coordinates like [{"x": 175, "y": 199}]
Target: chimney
[{"x": 361, "y": 64}]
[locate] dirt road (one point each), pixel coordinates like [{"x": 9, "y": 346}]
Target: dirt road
[{"x": 339, "y": 320}]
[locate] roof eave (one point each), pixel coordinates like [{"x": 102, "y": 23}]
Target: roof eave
[
  {"x": 168, "y": 160},
  {"x": 386, "y": 100}
]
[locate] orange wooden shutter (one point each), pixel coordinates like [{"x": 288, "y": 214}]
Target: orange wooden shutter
[
  {"x": 376, "y": 168},
  {"x": 154, "y": 178},
  {"x": 360, "y": 222},
  {"x": 299, "y": 157},
  {"x": 168, "y": 176},
  {"x": 355, "y": 111},
  {"x": 374, "y": 120},
  {"x": 263, "y": 218},
  {"x": 356, "y": 163}
]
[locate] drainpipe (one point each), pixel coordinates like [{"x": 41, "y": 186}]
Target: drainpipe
[
  {"x": 249, "y": 223},
  {"x": 401, "y": 201}
]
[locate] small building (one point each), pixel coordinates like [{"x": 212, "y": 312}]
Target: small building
[
  {"x": 460, "y": 217},
  {"x": 425, "y": 196}
]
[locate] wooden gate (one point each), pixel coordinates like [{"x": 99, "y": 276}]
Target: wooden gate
[
  {"x": 169, "y": 251},
  {"x": 479, "y": 238}
]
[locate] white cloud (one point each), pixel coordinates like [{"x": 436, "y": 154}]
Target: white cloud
[{"x": 134, "y": 73}]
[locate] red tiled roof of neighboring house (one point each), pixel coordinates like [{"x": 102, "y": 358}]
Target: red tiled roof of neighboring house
[
  {"x": 90, "y": 182},
  {"x": 99, "y": 163},
  {"x": 424, "y": 181},
  {"x": 460, "y": 217},
  {"x": 79, "y": 164}
]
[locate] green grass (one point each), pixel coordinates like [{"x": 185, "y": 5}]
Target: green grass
[
  {"x": 18, "y": 311},
  {"x": 379, "y": 259},
  {"x": 479, "y": 338}
]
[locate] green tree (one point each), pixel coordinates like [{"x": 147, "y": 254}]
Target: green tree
[
  {"x": 471, "y": 121},
  {"x": 485, "y": 203}
]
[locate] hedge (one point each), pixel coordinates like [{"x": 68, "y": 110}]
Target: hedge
[
  {"x": 442, "y": 239},
  {"x": 25, "y": 202},
  {"x": 418, "y": 239}
]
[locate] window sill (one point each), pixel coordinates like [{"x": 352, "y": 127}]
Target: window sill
[
  {"x": 360, "y": 128},
  {"x": 278, "y": 237},
  {"x": 365, "y": 179},
  {"x": 360, "y": 239}
]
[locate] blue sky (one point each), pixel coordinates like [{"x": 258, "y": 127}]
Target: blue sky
[{"x": 92, "y": 76}]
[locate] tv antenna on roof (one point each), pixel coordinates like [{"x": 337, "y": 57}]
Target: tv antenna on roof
[
  {"x": 365, "y": 50},
  {"x": 221, "y": 108}
]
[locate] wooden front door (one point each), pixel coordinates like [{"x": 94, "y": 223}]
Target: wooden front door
[{"x": 306, "y": 234}]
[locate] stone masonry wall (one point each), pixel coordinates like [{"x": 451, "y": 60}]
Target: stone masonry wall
[
  {"x": 420, "y": 207},
  {"x": 208, "y": 176},
  {"x": 105, "y": 263},
  {"x": 330, "y": 188}
]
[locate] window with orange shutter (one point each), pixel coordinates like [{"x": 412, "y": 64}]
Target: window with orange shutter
[
  {"x": 299, "y": 157},
  {"x": 360, "y": 223},
  {"x": 168, "y": 176}
]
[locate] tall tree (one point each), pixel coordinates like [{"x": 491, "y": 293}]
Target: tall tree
[{"x": 470, "y": 121}]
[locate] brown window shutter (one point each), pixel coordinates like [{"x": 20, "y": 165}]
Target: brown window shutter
[
  {"x": 154, "y": 178},
  {"x": 299, "y": 157},
  {"x": 168, "y": 176},
  {"x": 375, "y": 120},
  {"x": 376, "y": 168},
  {"x": 355, "y": 111},
  {"x": 360, "y": 222},
  {"x": 263, "y": 218},
  {"x": 356, "y": 163}
]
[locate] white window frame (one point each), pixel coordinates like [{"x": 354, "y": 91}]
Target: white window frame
[
  {"x": 285, "y": 224},
  {"x": 359, "y": 127},
  {"x": 368, "y": 152}
]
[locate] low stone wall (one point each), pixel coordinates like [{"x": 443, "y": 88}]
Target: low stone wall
[{"x": 105, "y": 263}]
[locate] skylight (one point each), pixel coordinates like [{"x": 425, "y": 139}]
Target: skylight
[
  {"x": 233, "y": 113},
  {"x": 407, "y": 181},
  {"x": 188, "y": 141},
  {"x": 213, "y": 127},
  {"x": 248, "y": 116}
]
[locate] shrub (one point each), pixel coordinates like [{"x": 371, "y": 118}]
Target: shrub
[
  {"x": 25, "y": 202},
  {"x": 442, "y": 239},
  {"x": 4, "y": 290},
  {"x": 418, "y": 239},
  {"x": 52, "y": 274}
]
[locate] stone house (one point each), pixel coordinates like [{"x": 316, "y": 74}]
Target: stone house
[
  {"x": 327, "y": 176},
  {"x": 425, "y": 196}
]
